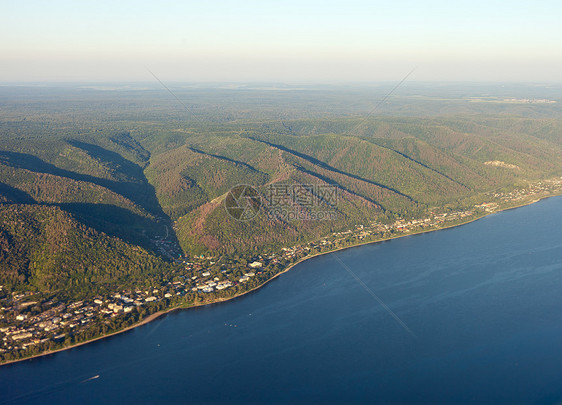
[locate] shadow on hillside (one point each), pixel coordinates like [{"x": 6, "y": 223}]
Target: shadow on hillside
[
  {"x": 114, "y": 221},
  {"x": 325, "y": 166},
  {"x": 107, "y": 218},
  {"x": 226, "y": 159},
  {"x": 140, "y": 192},
  {"x": 14, "y": 196}
]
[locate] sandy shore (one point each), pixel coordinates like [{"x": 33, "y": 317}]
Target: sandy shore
[{"x": 156, "y": 315}]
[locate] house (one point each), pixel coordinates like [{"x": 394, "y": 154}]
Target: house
[
  {"x": 21, "y": 336},
  {"x": 224, "y": 284}
]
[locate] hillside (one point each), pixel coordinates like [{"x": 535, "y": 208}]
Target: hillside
[
  {"x": 47, "y": 250},
  {"x": 118, "y": 171}
]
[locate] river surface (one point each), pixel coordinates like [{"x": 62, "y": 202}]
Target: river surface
[{"x": 483, "y": 303}]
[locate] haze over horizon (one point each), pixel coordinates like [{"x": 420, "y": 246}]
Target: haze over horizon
[{"x": 292, "y": 41}]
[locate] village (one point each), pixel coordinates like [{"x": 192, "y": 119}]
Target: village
[{"x": 32, "y": 322}]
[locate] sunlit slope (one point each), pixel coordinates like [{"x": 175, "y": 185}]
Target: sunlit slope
[
  {"x": 129, "y": 184},
  {"x": 186, "y": 178},
  {"x": 46, "y": 249},
  {"x": 383, "y": 169}
]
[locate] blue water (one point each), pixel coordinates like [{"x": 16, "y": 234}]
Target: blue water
[{"x": 483, "y": 302}]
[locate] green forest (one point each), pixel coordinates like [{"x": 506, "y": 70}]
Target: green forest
[{"x": 89, "y": 179}]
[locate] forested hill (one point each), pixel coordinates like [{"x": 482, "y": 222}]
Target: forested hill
[
  {"x": 48, "y": 250},
  {"x": 90, "y": 179}
]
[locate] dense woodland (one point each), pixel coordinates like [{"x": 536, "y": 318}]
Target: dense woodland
[{"x": 89, "y": 177}]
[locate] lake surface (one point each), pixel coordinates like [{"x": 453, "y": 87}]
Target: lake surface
[{"x": 483, "y": 302}]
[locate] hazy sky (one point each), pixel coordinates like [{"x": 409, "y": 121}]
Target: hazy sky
[{"x": 284, "y": 41}]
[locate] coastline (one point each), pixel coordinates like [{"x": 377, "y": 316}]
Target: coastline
[{"x": 158, "y": 314}]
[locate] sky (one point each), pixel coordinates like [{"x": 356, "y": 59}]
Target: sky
[{"x": 281, "y": 41}]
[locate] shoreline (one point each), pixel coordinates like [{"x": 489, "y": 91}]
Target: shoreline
[{"x": 158, "y": 314}]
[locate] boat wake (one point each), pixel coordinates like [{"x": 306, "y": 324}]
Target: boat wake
[{"x": 91, "y": 378}]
